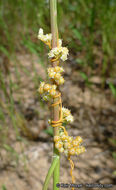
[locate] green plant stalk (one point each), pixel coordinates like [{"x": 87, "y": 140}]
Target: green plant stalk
[
  {"x": 55, "y": 166},
  {"x": 55, "y": 111},
  {"x": 50, "y": 172}
]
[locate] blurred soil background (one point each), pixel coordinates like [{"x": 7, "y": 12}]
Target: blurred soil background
[{"x": 88, "y": 29}]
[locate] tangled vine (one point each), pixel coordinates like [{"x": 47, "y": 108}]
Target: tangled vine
[{"x": 63, "y": 142}]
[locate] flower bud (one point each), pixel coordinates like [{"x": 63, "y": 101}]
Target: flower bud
[
  {"x": 40, "y": 90},
  {"x": 61, "y": 133},
  {"x": 56, "y": 138},
  {"x": 61, "y": 149}
]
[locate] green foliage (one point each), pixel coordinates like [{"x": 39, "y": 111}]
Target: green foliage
[
  {"x": 49, "y": 131},
  {"x": 12, "y": 152},
  {"x": 86, "y": 79},
  {"x": 4, "y": 187},
  {"x": 113, "y": 89}
]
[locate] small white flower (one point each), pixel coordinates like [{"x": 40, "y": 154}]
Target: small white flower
[
  {"x": 64, "y": 57},
  {"x": 65, "y": 111},
  {"x": 45, "y": 38},
  {"x": 69, "y": 118},
  {"x": 65, "y": 53},
  {"x": 48, "y": 37},
  {"x": 54, "y": 52},
  {"x": 61, "y": 52},
  {"x": 40, "y": 31}
]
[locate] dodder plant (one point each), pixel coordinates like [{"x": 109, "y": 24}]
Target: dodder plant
[{"x": 63, "y": 143}]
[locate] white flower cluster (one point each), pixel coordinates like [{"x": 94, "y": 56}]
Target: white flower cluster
[
  {"x": 45, "y": 38},
  {"x": 47, "y": 90},
  {"x": 59, "y": 52},
  {"x": 63, "y": 142},
  {"x": 68, "y": 145},
  {"x": 55, "y": 74},
  {"x": 67, "y": 116}
]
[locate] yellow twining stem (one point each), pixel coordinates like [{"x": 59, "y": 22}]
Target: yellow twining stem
[
  {"x": 59, "y": 123},
  {"x": 59, "y": 102},
  {"x": 65, "y": 132},
  {"x": 72, "y": 167}
]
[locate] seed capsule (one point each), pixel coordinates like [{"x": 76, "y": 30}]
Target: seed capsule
[
  {"x": 72, "y": 151},
  {"x": 80, "y": 150},
  {"x": 51, "y": 69},
  {"x": 61, "y": 81},
  {"x": 46, "y": 98},
  {"x": 64, "y": 137},
  {"x": 75, "y": 143},
  {"x": 57, "y": 69},
  {"x": 59, "y": 144},
  {"x": 67, "y": 145},
  {"x": 51, "y": 74},
  {"x": 79, "y": 139},
  {"x": 61, "y": 149},
  {"x": 52, "y": 92},
  {"x": 57, "y": 76},
  {"x": 46, "y": 87},
  {"x": 53, "y": 87},
  {"x": 70, "y": 139}
]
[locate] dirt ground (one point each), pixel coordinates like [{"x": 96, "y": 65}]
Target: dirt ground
[{"x": 94, "y": 113}]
